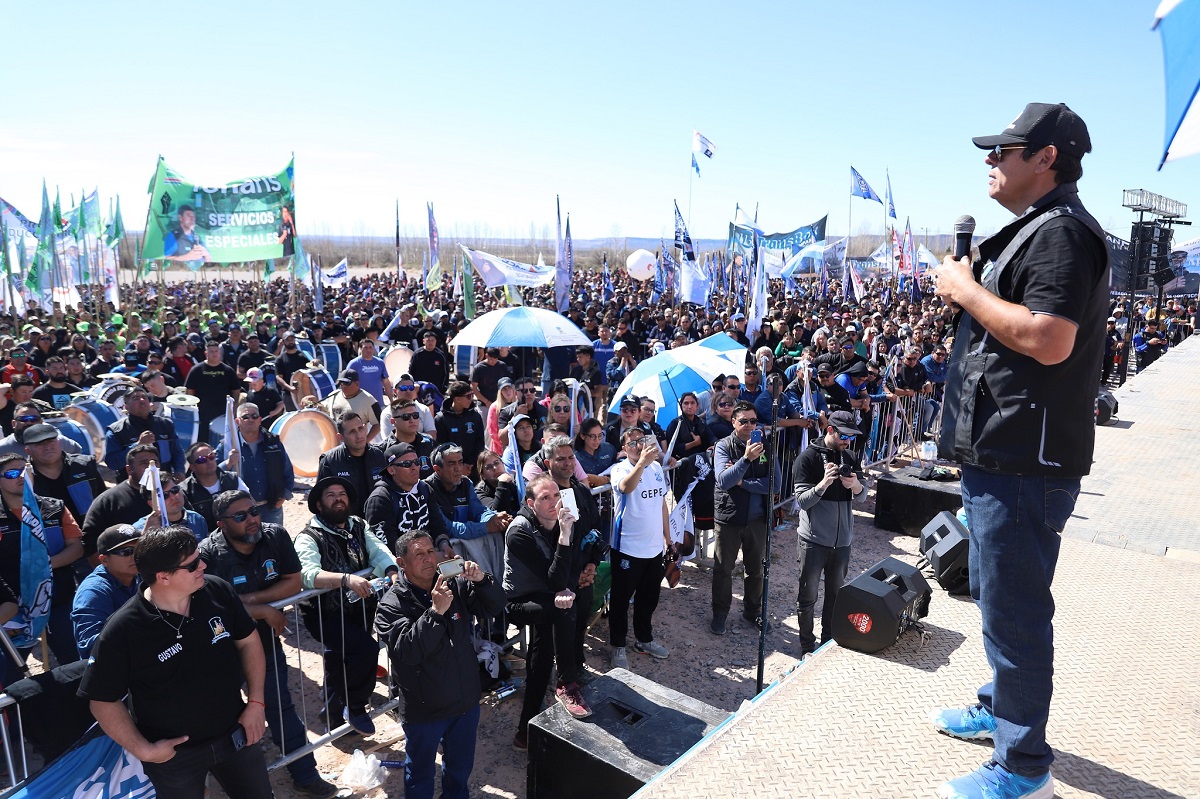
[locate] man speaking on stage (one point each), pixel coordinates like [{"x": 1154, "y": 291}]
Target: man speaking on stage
[{"x": 1019, "y": 417}]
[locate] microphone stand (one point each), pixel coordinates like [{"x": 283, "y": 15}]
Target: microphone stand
[{"x": 772, "y": 465}]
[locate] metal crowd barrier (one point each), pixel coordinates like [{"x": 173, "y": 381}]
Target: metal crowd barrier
[{"x": 16, "y": 759}]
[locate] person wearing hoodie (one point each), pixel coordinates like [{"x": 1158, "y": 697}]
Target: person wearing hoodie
[
  {"x": 459, "y": 423},
  {"x": 828, "y": 478},
  {"x": 539, "y": 550},
  {"x": 471, "y": 525},
  {"x": 355, "y": 459},
  {"x": 401, "y": 502},
  {"x": 425, "y": 622}
]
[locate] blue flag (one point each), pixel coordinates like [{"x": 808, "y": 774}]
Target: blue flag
[
  {"x": 860, "y": 188},
  {"x": 695, "y": 166},
  {"x": 36, "y": 576},
  {"x": 610, "y": 290},
  {"x": 682, "y": 240},
  {"x": 891, "y": 205}
]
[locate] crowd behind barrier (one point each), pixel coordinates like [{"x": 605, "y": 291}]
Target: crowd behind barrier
[{"x": 309, "y": 371}]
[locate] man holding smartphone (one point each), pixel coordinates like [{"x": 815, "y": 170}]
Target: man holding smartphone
[
  {"x": 425, "y": 620},
  {"x": 742, "y": 509}
]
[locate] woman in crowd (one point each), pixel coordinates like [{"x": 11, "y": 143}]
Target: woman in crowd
[
  {"x": 521, "y": 446},
  {"x": 593, "y": 453},
  {"x": 505, "y": 395}
]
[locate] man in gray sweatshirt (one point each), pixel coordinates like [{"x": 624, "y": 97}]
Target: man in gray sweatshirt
[{"x": 828, "y": 478}]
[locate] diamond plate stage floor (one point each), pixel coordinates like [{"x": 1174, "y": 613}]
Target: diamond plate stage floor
[{"x": 1125, "y": 720}]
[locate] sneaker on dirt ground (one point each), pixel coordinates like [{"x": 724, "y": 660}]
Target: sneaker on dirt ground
[
  {"x": 993, "y": 781},
  {"x": 570, "y": 697},
  {"x": 651, "y": 648},
  {"x": 521, "y": 741},
  {"x": 360, "y": 720},
  {"x": 717, "y": 627},
  {"x": 968, "y": 723}
]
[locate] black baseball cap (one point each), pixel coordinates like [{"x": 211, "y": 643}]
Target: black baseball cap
[
  {"x": 397, "y": 451},
  {"x": 348, "y": 376},
  {"x": 1042, "y": 124},
  {"x": 843, "y": 422},
  {"x": 116, "y": 537}
]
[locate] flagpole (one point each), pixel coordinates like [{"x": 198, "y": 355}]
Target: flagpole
[{"x": 849, "y": 225}]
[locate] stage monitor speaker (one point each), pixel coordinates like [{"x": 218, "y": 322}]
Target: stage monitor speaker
[
  {"x": 637, "y": 729},
  {"x": 945, "y": 542},
  {"x": 873, "y": 609}
]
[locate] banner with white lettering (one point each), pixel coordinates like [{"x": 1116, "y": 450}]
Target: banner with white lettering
[
  {"x": 94, "y": 768},
  {"x": 251, "y": 219},
  {"x": 497, "y": 271}
]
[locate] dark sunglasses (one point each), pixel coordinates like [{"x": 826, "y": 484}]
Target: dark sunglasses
[
  {"x": 409, "y": 387},
  {"x": 562, "y": 408},
  {"x": 407, "y": 417},
  {"x": 29, "y": 419},
  {"x": 528, "y": 390},
  {"x": 123, "y": 552},
  {"x": 249, "y": 416},
  {"x": 724, "y": 404},
  {"x": 997, "y": 152},
  {"x": 189, "y": 567},
  {"x": 407, "y": 464},
  {"x": 172, "y": 491},
  {"x": 204, "y": 458},
  {"x": 845, "y": 438},
  {"x": 241, "y": 515},
  {"x": 745, "y": 421},
  {"x": 12, "y": 474}
]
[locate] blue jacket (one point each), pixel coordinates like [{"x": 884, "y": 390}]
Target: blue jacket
[
  {"x": 98, "y": 597},
  {"x": 194, "y": 521},
  {"x": 465, "y": 515}
]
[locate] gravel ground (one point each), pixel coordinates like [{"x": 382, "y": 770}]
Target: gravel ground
[{"x": 719, "y": 671}]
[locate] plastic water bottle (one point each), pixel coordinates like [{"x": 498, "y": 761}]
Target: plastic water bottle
[
  {"x": 380, "y": 584},
  {"x": 928, "y": 451}
]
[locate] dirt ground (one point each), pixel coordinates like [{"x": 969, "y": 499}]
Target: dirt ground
[{"x": 718, "y": 670}]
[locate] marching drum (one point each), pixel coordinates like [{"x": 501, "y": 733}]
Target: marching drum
[
  {"x": 112, "y": 389},
  {"x": 69, "y": 428},
  {"x": 315, "y": 381},
  {"x": 184, "y": 412},
  {"x": 306, "y": 435},
  {"x": 327, "y": 353},
  {"x": 93, "y": 415},
  {"x": 396, "y": 361}
]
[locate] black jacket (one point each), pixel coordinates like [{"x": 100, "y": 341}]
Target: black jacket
[
  {"x": 197, "y": 498},
  {"x": 392, "y": 512},
  {"x": 433, "y": 658},
  {"x": 362, "y": 471},
  {"x": 83, "y": 482},
  {"x": 534, "y": 562}
]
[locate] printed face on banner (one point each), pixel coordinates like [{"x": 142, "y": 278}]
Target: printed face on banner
[{"x": 245, "y": 220}]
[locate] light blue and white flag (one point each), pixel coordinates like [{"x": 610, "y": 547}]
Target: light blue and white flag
[
  {"x": 891, "y": 205},
  {"x": 338, "y": 276},
  {"x": 496, "y": 271},
  {"x": 562, "y": 273},
  {"x": 701, "y": 144},
  {"x": 860, "y": 188}
]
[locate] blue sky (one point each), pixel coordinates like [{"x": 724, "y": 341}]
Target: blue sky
[{"x": 490, "y": 110}]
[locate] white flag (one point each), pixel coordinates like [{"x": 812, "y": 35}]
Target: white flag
[{"x": 701, "y": 144}]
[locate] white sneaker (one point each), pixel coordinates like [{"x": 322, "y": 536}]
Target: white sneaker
[{"x": 618, "y": 659}]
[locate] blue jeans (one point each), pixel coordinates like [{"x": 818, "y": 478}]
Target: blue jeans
[
  {"x": 283, "y": 722},
  {"x": 1015, "y": 525},
  {"x": 815, "y": 560},
  {"x": 270, "y": 515},
  {"x": 457, "y": 737}
]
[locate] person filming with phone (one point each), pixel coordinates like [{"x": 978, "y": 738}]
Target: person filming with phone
[
  {"x": 425, "y": 621},
  {"x": 828, "y": 479}
]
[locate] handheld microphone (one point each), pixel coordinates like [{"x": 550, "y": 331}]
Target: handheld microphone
[{"x": 964, "y": 228}]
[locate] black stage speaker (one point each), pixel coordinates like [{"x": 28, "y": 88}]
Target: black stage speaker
[
  {"x": 1106, "y": 406},
  {"x": 944, "y": 541},
  {"x": 903, "y": 502},
  {"x": 637, "y": 728},
  {"x": 873, "y": 609}
]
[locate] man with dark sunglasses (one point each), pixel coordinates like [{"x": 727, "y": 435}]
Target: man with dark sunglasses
[
  {"x": 406, "y": 429},
  {"x": 407, "y": 389},
  {"x": 260, "y": 562},
  {"x": 459, "y": 423},
  {"x": 266, "y": 468},
  {"x": 62, "y": 548},
  {"x": 1035, "y": 304},
  {"x": 182, "y": 649},
  {"x": 121, "y": 504},
  {"x": 109, "y": 586},
  {"x": 828, "y": 478},
  {"x": 205, "y": 480},
  {"x": 401, "y": 502},
  {"x": 525, "y": 403},
  {"x": 177, "y": 513},
  {"x": 140, "y": 426}
]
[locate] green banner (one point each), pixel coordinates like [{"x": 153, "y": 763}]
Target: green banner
[{"x": 245, "y": 220}]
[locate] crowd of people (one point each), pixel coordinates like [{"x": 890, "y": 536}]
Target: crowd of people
[{"x": 475, "y": 489}]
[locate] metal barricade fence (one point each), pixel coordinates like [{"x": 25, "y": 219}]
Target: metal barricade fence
[{"x": 303, "y": 694}]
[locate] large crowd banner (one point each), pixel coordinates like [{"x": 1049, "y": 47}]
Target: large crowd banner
[
  {"x": 251, "y": 219},
  {"x": 19, "y": 238},
  {"x": 741, "y": 239}
]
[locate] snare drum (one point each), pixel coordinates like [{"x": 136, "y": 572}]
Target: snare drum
[
  {"x": 396, "y": 361},
  {"x": 94, "y": 415},
  {"x": 69, "y": 428},
  {"x": 112, "y": 389},
  {"x": 306, "y": 435},
  {"x": 331, "y": 356}
]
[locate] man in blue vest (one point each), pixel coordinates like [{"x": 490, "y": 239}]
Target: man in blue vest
[
  {"x": 140, "y": 426},
  {"x": 263, "y": 464}
]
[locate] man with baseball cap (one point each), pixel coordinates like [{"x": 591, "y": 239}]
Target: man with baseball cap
[
  {"x": 401, "y": 502},
  {"x": 350, "y": 398},
  {"x": 107, "y": 587},
  {"x": 1032, "y": 331}
]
